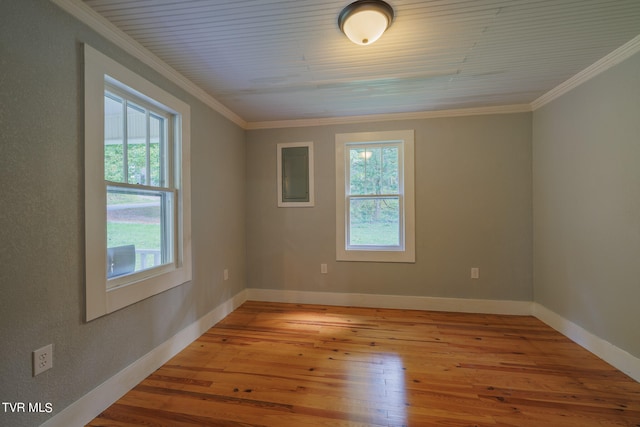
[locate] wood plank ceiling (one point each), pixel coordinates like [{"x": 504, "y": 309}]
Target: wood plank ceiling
[{"x": 270, "y": 60}]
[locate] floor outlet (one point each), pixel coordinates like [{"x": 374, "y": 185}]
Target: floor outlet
[{"x": 42, "y": 359}]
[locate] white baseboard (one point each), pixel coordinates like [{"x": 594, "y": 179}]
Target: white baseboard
[
  {"x": 392, "y": 301},
  {"x": 97, "y": 400},
  {"x": 608, "y": 352},
  {"x": 100, "y": 398},
  {"x": 615, "y": 356}
]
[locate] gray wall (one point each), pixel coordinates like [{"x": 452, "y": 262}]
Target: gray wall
[
  {"x": 586, "y": 198},
  {"x": 478, "y": 204},
  {"x": 473, "y": 209},
  {"x": 42, "y": 224}
]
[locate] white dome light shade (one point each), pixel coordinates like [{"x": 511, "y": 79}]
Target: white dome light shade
[
  {"x": 364, "y": 21},
  {"x": 365, "y": 27}
]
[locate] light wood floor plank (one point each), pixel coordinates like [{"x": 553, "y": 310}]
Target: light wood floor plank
[{"x": 272, "y": 364}]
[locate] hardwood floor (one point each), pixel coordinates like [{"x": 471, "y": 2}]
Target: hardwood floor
[{"x": 270, "y": 364}]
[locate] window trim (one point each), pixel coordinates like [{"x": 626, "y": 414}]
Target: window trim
[
  {"x": 100, "y": 300},
  {"x": 373, "y": 253}
]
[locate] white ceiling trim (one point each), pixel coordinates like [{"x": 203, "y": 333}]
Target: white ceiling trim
[
  {"x": 105, "y": 28},
  {"x": 617, "y": 56},
  {"x": 477, "y": 111}
]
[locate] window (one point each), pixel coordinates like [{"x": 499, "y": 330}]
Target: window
[
  {"x": 137, "y": 201},
  {"x": 375, "y": 197}
]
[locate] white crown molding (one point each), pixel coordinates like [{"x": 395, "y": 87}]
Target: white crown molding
[
  {"x": 501, "y": 109},
  {"x": 617, "y": 56},
  {"x": 105, "y": 28}
]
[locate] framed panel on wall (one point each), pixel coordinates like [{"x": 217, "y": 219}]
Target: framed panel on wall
[{"x": 295, "y": 175}]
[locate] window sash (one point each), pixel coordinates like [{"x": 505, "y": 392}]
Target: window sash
[
  {"x": 364, "y": 195},
  {"x": 165, "y": 137},
  {"x": 364, "y": 149},
  {"x": 167, "y": 230},
  {"x": 352, "y": 235},
  {"x": 165, "y": 188}
]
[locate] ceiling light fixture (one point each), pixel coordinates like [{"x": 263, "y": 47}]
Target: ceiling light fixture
[{"x": 364, "y": 21}]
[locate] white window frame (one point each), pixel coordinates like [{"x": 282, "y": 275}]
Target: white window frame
[
  {"x": 101, "y": 299},
  {"x": 405, "y": 252}
]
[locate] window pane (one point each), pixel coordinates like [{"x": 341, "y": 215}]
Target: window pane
[
  {"x": 139, "y": 230},
  {"x": 357, "y": 157},
  {"x": 373, "y": 172},
  {"x": 136, "y": 144},
  {"x": 365, "y": 170},
  {"x": 374, "y": 222},
  {"x": 157, "y": 149},
  {"x": 389, "y": 170},
  {"x": 113, "y": 139}
]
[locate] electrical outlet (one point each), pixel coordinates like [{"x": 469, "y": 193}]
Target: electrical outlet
[
  {"x": 323, "y": 268},
  {"x": 475, "y": 273},
  {"x": 42, "y": 359},
  {"x": 225, "y": 274}
]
